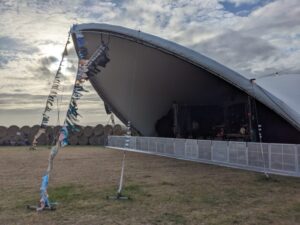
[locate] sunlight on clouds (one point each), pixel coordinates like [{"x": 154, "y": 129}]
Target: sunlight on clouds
[
  {"x": 33, "y": 34},
  {"x": 52, "y": 50}
]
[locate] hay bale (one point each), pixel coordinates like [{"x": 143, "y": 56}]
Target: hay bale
[
  {"x": 3, "y": 131},
  {"x": 5, "y": 141},
  {"x": 25, "y": 130},
  {"x": 73, "y": 139},
  {"x": 50, "y": 130},
  {"x": 92, "y": 140},
  {"x": 79, "y": 131},
  {"x": 12, "y": 130},
  {"x": 98, "y": 130},
  {"x": 97, "y": 140},
  {"x": 108, "y": 130},
  {"x": 56, "y": 130},
  {"x": 88, "y": 131},
  {"x": 118, "y": 130},
  {"x": 49, "y": 135},
  {"x": 42, "y": 140},
  {"x": 12, "y": 140},
  {"x": 33, "y": 131},
  {"x": 83, "y": 140},
  {"x": 101, "y": 140}
]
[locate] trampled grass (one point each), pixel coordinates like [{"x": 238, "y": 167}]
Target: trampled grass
[{"x": 161, "y": 190}]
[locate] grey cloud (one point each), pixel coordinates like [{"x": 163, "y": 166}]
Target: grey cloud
[
  {"x": 72, "y": 68},
  {"x": 237, "y": 50},
  {"x": 3, "y": 61},
  {"x": 46, "y": 61},
  {"x": 12, "y": 49},
  {"x": 15, "y": 44},
  {"x": 10, "y": 96},
  {"x": 18, "y": 90},
  {"x": 279, "y": 17},
  {"x": 41, "y": 69},
  {"x": 258, "y": 42}
]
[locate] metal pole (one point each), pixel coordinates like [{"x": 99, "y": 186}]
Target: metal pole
[{"x": 122, "y": 174}]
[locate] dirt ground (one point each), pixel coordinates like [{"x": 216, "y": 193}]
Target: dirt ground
[{"x": 162, "y": 190}]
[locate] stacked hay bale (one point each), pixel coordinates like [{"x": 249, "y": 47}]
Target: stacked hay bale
[
  {"x": 82, "y": 136},
  {"x": 97, "y": 138},
  {"x": 99, "y": 130},
  {"x": 118, "y": 130},
  {"x": 33, "y": 131},
  {"x": 3, "y": 132},
  {"x": 13, "y": 135},
  {"x": 50, "y": 137},
  {"x": 108, "y": 130},
  {"x": 73, "y": 139},
  {"x": 75, "y": 134},
  {"x": 25, "y": 133}
]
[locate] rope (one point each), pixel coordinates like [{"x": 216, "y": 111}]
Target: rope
[
  {"x": 259, "y": 131},
  {"x": 72, "y": 114},
  {"x": 52, "y": 95},
  {"x": 128, "y": 133}
]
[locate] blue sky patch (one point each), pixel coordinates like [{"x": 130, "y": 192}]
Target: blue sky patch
[{"x": 243, "y": 9}]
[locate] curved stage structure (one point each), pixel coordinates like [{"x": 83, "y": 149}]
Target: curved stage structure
[{"x": 167, "y": 90}]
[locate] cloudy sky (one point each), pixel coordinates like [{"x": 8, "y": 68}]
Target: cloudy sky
[{"x": 253, "y": 37}]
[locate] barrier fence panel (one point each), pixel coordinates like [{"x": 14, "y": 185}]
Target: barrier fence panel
[
  {"x": 169, "y": 146},
  {"x": 238, "y": 152},
  {"x": 132, "y": 143},
  {"x": 204, "y": 149},
  {"x": 191, "y": 149},
  {"x": 179, "y": 147},
  {"x": 142, "y": 143},
  {"x": 263, "y": 157},
  {"x": 220, "y": 151},
  {"x": 152, "y": 145},
  {"x": 283, "y": 157},
  {"x": 258, "y": 155},
  {"x": 160, "y": 147}
]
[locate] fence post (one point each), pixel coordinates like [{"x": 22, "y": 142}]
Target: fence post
[
  {"x": 185, "y": 149},
  {"x": 212, "y": 150},
  {"x": 148, "y": 139},
  {"x": 174, "y": 149},
  {"x": 247, "y": 156},
  {"x": 197, "y": 151},
  {"x": 269, "y": 155},
  {"x": 228, "y": 151}
]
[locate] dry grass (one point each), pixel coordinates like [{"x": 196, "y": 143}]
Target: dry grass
[{"x": 163, "y": 191}]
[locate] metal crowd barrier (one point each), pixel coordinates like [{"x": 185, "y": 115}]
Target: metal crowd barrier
[{"x": 283, "y": 159}]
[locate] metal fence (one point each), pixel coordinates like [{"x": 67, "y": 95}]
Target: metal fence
[{"x": 272, "y": 158}]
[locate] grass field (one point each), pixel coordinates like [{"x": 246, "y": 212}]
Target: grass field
[{"x": 162, "y": 190}]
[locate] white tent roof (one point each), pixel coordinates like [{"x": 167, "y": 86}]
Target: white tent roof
[{"x": 280, "y": 93}]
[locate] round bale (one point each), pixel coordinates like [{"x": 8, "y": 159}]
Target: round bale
[
  {"x": 12, "y": 130},
  {"x": 88, "y": 131},
  {"x": 3, "y": 131},
  {"x": 98, "y": 130},
  {"x": 73, "y": 139},
  {"x": 108, "y": 129},
  {"x": 117, "y": 130},
  {"x": 83, "y": 140}
]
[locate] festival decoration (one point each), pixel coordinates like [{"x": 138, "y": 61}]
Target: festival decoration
[
  {"x": 99, "y": 58},
  {"x": 51, "y": 97}
]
